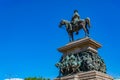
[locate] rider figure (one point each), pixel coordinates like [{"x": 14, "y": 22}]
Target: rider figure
[{"x": 75, "y": 18}]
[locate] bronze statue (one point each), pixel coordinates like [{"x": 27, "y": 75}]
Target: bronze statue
[
  {"x": 80, "y": 62},
  {"x": 75, "y": 25},
  {"x": 75, "y": 62},
  {"x": 68, "y": 29}
]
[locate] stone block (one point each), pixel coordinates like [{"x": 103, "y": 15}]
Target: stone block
[{"x": 89, "y": 75}]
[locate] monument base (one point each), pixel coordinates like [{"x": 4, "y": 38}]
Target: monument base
[
  {"x": 84, "y": 44},
  {"x": 90, "y": 75}
]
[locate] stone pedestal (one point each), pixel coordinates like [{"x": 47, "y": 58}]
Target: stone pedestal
[
  {"x": 85, "y": 44},
  {"x": 90, "y": 75},
  {"x": 84, "y": 56}
]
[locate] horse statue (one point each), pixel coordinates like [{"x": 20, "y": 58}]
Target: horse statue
[{"x": 70, "y": 28}]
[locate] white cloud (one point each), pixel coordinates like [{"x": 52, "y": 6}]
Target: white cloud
[
  {"x": 14, "y": 79},
  {"x": 116, "y": 79}
]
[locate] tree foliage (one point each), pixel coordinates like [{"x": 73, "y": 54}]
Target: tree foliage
[{"x": 36, "y": 78}]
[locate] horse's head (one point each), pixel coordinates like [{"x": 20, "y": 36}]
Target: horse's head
[{"x": 62, "y": 22}]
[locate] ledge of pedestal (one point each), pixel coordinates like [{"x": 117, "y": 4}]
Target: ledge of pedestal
[
  {"x": 80, "y": 45},
  {"x": 90, "y": 75}
]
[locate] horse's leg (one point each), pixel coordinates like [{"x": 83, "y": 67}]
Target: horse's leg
[
  {"x": 69, "y": 36},
  {"x": 69, "y": 39},
  {"x": 85, "y": 30},
  {"x": 77, "y": 30},
  {"x": 72, "y": 36}
]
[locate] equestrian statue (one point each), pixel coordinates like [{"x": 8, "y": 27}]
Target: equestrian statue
[{"x": 75, "y": 25}]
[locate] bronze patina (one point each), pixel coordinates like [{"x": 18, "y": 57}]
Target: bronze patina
[
  {"x": 80, "y": 55},
  {"x": 80, "y": 62},
  {"x": 75, "y": 25}
]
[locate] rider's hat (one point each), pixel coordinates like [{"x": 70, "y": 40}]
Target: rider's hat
[{"x": 75, "y": 11}]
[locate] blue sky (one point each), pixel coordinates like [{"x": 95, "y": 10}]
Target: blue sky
[{"x": 29, "y": 34}]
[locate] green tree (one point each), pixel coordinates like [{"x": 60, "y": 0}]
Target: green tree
[{"x": 36, "y": 78}]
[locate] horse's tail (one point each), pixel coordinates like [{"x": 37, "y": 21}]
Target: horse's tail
[{"x": 87, "y": 20}]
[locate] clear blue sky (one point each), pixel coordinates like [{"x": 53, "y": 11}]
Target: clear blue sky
[{"x": 29, "y": 34}]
